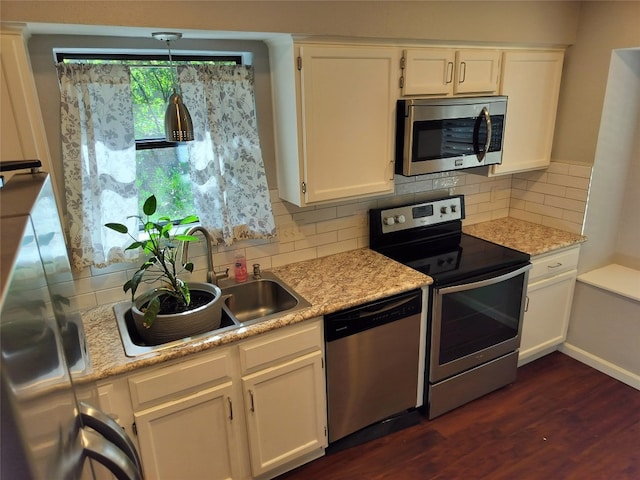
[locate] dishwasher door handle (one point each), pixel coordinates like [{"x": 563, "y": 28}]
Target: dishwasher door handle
[{"x": 385, "y": 308}]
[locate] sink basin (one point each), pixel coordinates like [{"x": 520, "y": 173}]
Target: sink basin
[
  {"x": 259, "y": 300},
  {"x": 246, "y": 304}
]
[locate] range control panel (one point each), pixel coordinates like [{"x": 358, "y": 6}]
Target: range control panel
[{"x": 422, "y": 214}]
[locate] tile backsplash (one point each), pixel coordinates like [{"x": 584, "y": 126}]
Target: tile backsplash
[{"x": 555, "y": 197}]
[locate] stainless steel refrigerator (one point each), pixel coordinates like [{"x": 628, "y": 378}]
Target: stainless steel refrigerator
[{"x": 50, "y": 428}]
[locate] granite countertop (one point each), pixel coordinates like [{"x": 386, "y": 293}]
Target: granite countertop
[
  {"x": 524, "y": 236},
  {"x": 329, "y": 283}
]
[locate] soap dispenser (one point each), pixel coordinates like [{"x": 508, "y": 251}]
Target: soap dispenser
[{"x": 240, "y": 268}]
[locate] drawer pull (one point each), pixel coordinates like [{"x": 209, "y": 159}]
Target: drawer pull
[{"x": 558, "y": 264}]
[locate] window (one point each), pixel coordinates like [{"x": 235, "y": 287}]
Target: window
[
  {"x": 162, "y": 167},
  {"x": 114, "y": 153}
]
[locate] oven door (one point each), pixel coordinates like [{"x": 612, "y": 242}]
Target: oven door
[{"x": 477, "y": 321}]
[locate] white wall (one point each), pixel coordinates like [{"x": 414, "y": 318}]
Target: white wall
[
  {"x": 604, "y": 328},
  {"x": 608, "y": 213},
  {"x": 627, "y": 251},
  {"x": 603, "y": 27}
]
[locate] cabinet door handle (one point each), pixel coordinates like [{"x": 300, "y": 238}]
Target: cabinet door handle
[
  {"x": 253, "y": 408},
  {"x": 558, "y": 264},
  {"x": 230, "y": 408},
  {"x": 463, "y": 71},
  {"x": 526, "y": 304},
  {"x": 449, "y": 72}
]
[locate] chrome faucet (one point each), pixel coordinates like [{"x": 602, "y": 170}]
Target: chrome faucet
[
  {"x": 256, "y": 271},
  {"x": 212, "y": 276}
]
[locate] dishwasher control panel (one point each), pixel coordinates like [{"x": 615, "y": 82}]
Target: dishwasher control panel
[{"x": 370, "y": 315}]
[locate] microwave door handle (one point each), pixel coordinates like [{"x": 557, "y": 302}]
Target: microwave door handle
[{"x": 487, "y": 120}]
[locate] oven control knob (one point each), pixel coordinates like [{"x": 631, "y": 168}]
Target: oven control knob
[
  {"x": 443, "y": 210},
  {"x": 389, "y": 221},
  {"x": 400, "y": 219},
  {"x": 454, "y": 208}
]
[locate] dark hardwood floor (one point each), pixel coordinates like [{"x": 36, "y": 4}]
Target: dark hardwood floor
[{"x": 560, "y": 420}]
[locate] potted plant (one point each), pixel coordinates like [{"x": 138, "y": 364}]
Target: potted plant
[{"x": 174, "y": 309}]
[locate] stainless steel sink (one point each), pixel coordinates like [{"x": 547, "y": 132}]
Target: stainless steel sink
[
  {"x": 246, "y": 304},
  {"x": 259, "y": 300}
]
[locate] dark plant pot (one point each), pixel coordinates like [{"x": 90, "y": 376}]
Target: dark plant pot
[{"x": 169, "y": 327}]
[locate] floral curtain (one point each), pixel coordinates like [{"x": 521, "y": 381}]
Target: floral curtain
[
  {"x": 227, "y": 172},
  {"x": 99, "y": 160}
]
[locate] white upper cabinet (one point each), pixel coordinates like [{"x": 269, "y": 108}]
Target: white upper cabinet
[
  {"x": 531, "y": 80},
  {"x": 21, "y": 126},
  {"x": 334, "y": 120},
  {"x": 445, "y": 71}
]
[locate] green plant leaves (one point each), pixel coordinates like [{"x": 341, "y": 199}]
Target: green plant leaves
[
  {"x": 189, "y": 219},
  {"x": 150, "y": 205},
  {"x": 150, "y": 314},
  {"x": 135, "y": 245},
  {"x": 161, "y": 248},
  {"x": 118, "y": 227},
  {"x": 186, "y": 238}
]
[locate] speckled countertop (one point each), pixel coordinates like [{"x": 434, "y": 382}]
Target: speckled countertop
[
  {"x": 329, "y": 283},
  {"x": 524, "y": 236}
]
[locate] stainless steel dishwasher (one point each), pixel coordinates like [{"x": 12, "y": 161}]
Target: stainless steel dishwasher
[{"x": 375, "y": 359}]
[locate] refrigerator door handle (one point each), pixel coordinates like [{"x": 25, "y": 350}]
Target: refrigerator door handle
[
  {"x": 110, "y": 430},
  {"x": 106, "y": 453}
]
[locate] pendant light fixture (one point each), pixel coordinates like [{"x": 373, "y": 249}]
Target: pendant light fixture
[{"x": 177, "y": 121}]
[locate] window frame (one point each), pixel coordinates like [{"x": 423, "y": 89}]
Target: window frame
[{"x": 151, "y": 143}]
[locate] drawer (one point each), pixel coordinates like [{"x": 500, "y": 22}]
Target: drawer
[
  {"x": 553, "y": 263},
  {"x": 167, "y": 382},
  {"x": 279, "y": 346}
]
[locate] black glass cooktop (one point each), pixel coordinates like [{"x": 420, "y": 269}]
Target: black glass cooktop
[{"x": 455, "y": 258}]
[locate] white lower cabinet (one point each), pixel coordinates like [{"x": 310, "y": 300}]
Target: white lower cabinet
[
  {"x": 285, "y": 418},
  {"x": 192, "y": 437},
  {"x": 548, "y": 305},
  {"x": 251, "y": 410}
]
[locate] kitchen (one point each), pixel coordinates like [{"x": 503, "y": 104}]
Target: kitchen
[{"x": 314, "y": 232}]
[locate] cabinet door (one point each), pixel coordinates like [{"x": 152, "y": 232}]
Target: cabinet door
[
  {"x": 21, "y": 126},
  {"x": 428, "y": 71},
  {"x": 347, "y": 101},
  {"x": 477, "y": 71},
  {"x": 531, "y": 80},
  {"x": 285, "y": 408},
  {"x": 547, "y": 316},
  {"x": 191, "y": 437}
]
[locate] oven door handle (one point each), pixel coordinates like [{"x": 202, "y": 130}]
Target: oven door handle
[{"x": 483, "y": 283}]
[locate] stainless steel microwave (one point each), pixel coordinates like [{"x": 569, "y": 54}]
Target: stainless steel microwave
[{"x": 444, "y": 134}]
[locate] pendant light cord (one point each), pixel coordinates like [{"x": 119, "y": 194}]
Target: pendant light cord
[{"x": 174, "y": 76}]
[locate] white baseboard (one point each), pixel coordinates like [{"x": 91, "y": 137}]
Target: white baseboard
[
  {"x": 601, "y": 365},
  {"x": 536, "y": 353}
]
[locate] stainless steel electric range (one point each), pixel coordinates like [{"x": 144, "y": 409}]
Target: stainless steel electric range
[{"x": 476, "y": 303}]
